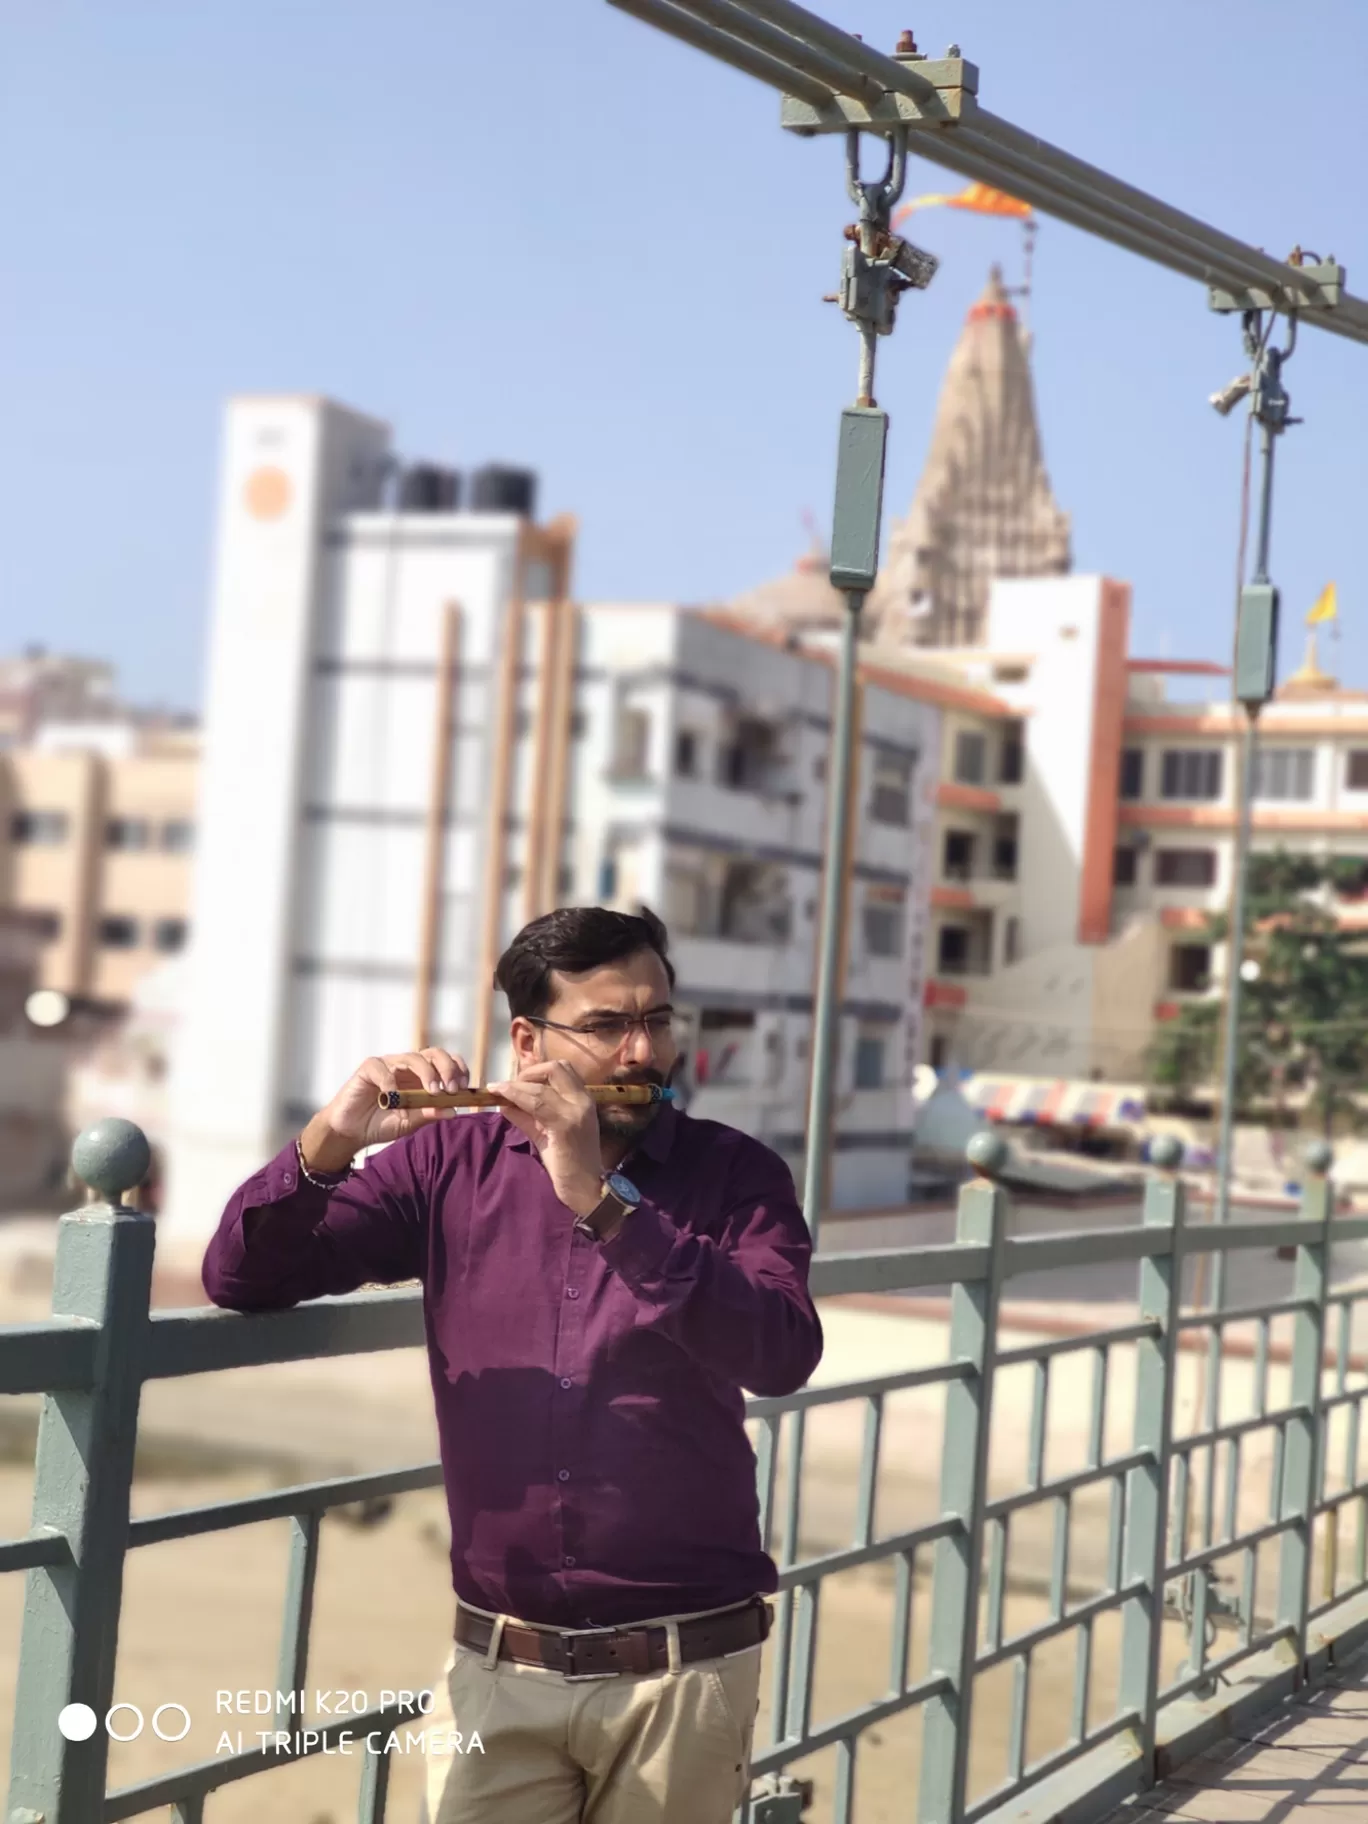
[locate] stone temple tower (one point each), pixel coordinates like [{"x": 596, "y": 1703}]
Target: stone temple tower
[{"x": 983, "y": 507}]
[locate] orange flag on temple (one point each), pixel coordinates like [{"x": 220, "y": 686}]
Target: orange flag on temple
[{"x": 980, "y": 199}]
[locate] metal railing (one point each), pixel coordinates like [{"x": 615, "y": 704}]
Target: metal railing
[{"x": 1169, "y": 1504}]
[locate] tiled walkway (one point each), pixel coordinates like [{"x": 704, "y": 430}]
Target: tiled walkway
[{"x": 1307, "y": 1765}]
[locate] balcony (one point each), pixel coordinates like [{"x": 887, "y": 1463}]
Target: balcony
[{"x": 994, "y": 1427}]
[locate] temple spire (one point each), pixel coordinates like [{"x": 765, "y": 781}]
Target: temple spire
[{"x": 983, "y": 507}]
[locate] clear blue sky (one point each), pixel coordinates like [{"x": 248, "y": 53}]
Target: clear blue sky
[{"x": 537, "y": 231}]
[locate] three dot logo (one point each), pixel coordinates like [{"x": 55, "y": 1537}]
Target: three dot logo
[
  {"x": 267, "y": 493},
  {"x": 78, "y": 1722}
]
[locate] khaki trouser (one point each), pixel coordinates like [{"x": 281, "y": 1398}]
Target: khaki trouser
[{"x": 652, "y": 1748}]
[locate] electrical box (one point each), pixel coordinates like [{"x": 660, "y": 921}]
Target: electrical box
[
  {"x": 1256, "y": 643},
  {"x": 859, "y": 498}
]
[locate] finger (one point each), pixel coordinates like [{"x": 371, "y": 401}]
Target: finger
[
  {"x": 421, "y": 1067},
  {"x": 519, "y": 1093},
  {"x": 378, "y": 1072},
  {"x": 450, "y": 1069},
  {"x": 525, "y": 1124}
]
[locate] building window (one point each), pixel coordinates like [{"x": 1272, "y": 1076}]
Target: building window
[
  {"x": 46, "y": 925},
  {"x": 957, "y": 856},
  {"x": 633, "y": 744},
  {"x": 127, "y": 833},
  {"x": 169, "y": 934},
  {"x": 891, "y": 800},
  {"x": 952, "y": 950},
  {"x": 565, "y": 883},
  {"x": 607, "y": 880},
  {"x": 883, "y": 927},
  {"x": 750, "y": 761},
  {"x": 1132, "y": 772},
  {"x": 42, "y": 828},
  {"x": 754, "y": 905},
  {"x": 869, "y": 1062},
  {"x": 1284, "y": 772},
  {"x": 970, "y": 758},
  {"x": 1011, "y": 939},
  {"x": 1012, "y": 759},
  {"x": 579, "y": 725},
  {"x": 1189, "y": 968},
  {"x": 686, "y": 753},
  {"x": 1125, "y": 870},
  {"x": 1004, "y": 858},
  {"x": 1191, "y": 772},
  {"x": 1185, "y": 867},
  {"x": 177, "y": 836},
  {"x": 1356, "y": 769},
  {"x": 937, "y": 1057},
  {"x": 118, "y": 933}
]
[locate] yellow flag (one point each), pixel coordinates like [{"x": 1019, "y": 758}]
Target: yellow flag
[
  {"x": 1326, "y": 606},
  {"x": 979, "y": 199}
]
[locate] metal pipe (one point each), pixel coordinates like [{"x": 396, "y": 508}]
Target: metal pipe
[
  {"x": 1234, "y": 983},
  {"x": 679, "y": 24},
  {"x": 869, "y": 69},
  {"x": 738, "y": 23},
  {"x": 826, "y": 1011}
]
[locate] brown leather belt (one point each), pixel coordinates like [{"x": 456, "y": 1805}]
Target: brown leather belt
[{"x": 604, "y": 1652}]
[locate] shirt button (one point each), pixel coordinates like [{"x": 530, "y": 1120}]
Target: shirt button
[
  {"x": 572, "y": 1291},
  {"x": 289, "y": 1180},
  {"x": 567, "y": 1383},
  {"x": 568, "y": 1562},
  {"x": 562, "y": 1475}
]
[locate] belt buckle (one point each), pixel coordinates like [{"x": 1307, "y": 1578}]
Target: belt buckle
[{"x": 579, "y": 1678}]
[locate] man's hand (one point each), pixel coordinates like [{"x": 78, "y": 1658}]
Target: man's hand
[
  {"x": 354, "y": 1118},
  {"x": 550, "y": 1104}
]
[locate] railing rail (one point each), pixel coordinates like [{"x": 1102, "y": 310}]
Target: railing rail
[{"x": 1173, "y": 1514}]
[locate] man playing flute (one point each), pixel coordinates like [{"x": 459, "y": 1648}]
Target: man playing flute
[{"x": 600, "y": 1282}]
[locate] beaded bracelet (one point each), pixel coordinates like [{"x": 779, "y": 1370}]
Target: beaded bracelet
[{"x": 328, "y": 1183}]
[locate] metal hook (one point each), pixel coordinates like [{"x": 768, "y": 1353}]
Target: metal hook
[{"x": 876, "y": 199}]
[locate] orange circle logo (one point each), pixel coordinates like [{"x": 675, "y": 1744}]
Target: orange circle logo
[{"x": 267, "y": 493}]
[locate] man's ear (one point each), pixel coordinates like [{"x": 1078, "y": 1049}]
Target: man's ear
[{"x": 526, "y": 1041}]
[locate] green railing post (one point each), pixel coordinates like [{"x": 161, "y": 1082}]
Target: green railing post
[
  {"x": 83, "y": 1472},
  {"x": 958, "y": 1561},
  {"x": 1146, "y": 1531},
  {"x": 1301, "y": 1452}
]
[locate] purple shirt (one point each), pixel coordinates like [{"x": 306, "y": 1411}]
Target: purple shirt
[{"x": 588, "y": 1393}]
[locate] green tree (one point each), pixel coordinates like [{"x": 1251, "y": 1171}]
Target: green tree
[{"x": 1304, "y": 1019}]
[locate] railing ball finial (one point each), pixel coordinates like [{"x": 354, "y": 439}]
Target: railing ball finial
[
  {"x": 987, "y": 1153},
  {"x": 1320, "y": 1156},
  {"x": 1166, "y": 1152},
  {"x": 112, "y": 1157}
]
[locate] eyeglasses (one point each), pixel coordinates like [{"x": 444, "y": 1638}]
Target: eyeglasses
[{"x": 611, "y": 1033}]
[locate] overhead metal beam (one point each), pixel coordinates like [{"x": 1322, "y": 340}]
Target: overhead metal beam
[{"x": 937, "y": 99}]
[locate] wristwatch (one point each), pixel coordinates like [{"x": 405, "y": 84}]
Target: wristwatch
[{"x": 620, "y": 1197}]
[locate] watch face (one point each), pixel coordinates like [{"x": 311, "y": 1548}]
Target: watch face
[{"x": 623, "y": 1188}]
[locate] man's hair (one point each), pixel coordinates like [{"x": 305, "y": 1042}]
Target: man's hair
[{"x": 573, "y": 938}]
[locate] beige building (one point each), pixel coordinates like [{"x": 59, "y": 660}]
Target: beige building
[{"x": 97, "y": 825}]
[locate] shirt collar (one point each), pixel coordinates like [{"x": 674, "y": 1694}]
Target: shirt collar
[{"x": 656, "y": 1142}]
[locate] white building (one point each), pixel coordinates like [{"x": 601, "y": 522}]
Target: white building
[{"x": 415, "y": 741}]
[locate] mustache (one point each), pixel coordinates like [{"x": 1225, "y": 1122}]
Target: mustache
[{"x": 647, "y": 1074}]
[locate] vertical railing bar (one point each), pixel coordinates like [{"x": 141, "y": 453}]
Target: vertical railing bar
[
  {"x": 783, "y": 1624},
  {"x": 1115, "y": 1532},
  {"x": 1261, "y": 1367},
  {"x": 1021, "y": 1682},
  {"x": 766, "y": 1465},
  {"x": 1342, "y": 1354},
  {"x": 844, "y": 1798},
  {"x": 1249, "y": 1590},
  {"x": 375, "y": 1774},
  {"x": 869, "y": 1470},
  {"x": 904, "y": 1596},
  {"x": 1182, "y": 1497},
  {"x": 293, "y": 1662},
  {"x": 998, "y": 1545},
  {"x": 1302, "y": 1451},
  {"x": 1146, "y": 1531},
  {"x": 1059, "y": 1562},
  {"x": 1199, "y": 1582},
  {"x": 799, "y": 1719},
  {"x": 1040, "y": 1399},
  {"x": 1361, "y": 1544},
  {"x": 1351, "y": 1443},
  {"x": 1330, "y": 1574},
  {"x": 958, "y": 1564},
  {"x": 1097, "y": 1417},
  {"x": 1082, "y": 1680},
  {"x": 191, "y": 1810},
  {"x": 1275, "y": 1474},
  {"x": 1232, "y": 1493}
]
